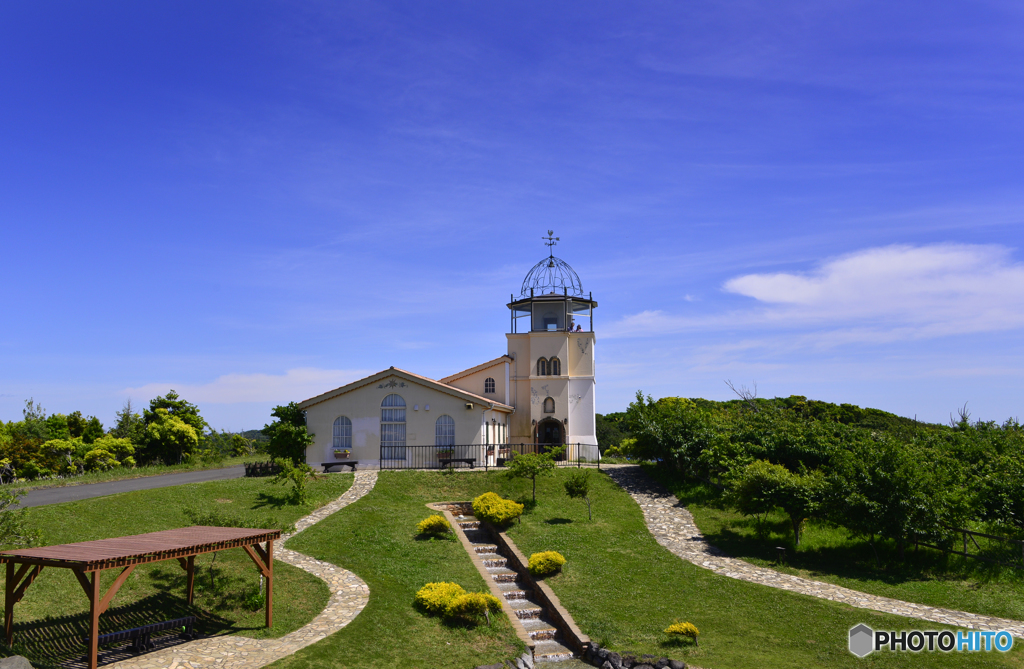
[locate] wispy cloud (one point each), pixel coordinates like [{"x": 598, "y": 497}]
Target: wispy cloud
[
  {"x": 875, "y": 295},
  {"x": 295, "y": 384}
]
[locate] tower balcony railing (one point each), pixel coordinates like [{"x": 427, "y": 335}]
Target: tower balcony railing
[{"x": 483, "y": 456}]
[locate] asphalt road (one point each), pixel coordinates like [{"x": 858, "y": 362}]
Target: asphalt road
[{"x": 74, "y": 493}]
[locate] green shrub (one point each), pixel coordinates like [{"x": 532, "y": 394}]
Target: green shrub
[
  {"x": 100, "y": 460},
  {"x": 543, "y": 564},
  {"x": 435, "y": 597},
  {"x": 493, "y": 509},
  {"x": 472, "y": 606},
  {"x": 435, "y": 526}
]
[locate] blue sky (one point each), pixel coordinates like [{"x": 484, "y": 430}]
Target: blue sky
[{"x": 256, "y": 202}]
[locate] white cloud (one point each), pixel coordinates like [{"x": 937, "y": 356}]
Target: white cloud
[
  {"x": 295, "y": 384},
  {"x": 875, "y": 295}
]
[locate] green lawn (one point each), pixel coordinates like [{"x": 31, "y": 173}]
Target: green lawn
[
  {"x": 828, "y": 553},
  {"x": 55, "y": 610},
  {"x": 121, "y": 473},
  {"x": 619, "y": 584}
]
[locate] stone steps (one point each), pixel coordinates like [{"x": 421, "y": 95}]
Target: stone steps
[{"x": 530, "y": 613}]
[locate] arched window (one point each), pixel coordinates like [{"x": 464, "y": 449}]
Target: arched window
[
  {"x": 488, "y": 385},
  {"x": 549, "y": 405},
  {"x": 444, "y": 431},
  {"x": 555, "y": 366},
  {"x": 542, "y": 366},
  {"x": 342, "y": 433},
  {"x": 392, "y": 428}
]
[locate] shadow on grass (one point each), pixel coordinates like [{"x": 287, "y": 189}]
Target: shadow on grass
[
  {"x": 60, "y": 641},
  {"x": 273, "y": 500},
  {"x": 558, "y": 521}
]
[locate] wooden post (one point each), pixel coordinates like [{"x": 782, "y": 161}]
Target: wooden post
[
  {"x": 9, "y": 605},
  {"x": 190, "y": 577},
  {"x": 270, "y": 583},
  {"x": 94, "y": 620}
]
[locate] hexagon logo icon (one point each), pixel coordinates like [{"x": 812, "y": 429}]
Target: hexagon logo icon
[{"x": 862, "y": 640}]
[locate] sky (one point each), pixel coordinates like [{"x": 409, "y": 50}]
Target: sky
[{"x": 256, "y": 202}]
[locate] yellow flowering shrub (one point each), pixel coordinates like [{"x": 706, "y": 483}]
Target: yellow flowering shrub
[
  {"x": 435, "y": 525},
  {"x": 472, "y": 605},
  {"x": 678, "y": 629},
  {"x": 492, "y": 508},
  {"x": 548, "y": 562},
  {"x": 435, "y": 597}
]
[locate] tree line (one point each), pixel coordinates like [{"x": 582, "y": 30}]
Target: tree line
[
  {"x": 169, "y": 431},
  {"x": 881, "y": 476}
]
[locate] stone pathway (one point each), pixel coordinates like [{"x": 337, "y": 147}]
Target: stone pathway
[
  {"x": 349, "y": 595},
  {"x": 673, "y": 527}
]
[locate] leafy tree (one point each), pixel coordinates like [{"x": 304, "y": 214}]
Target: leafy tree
[
  {"x": 611, "y": 430},
  {"x": 76, "y": 424},
  {"x": 130, "y": 425},
  {"x": 577, "y": 486},
  {"x": 33, "y": 424},
  {"x": 288, "y": 437},
  {"x": 57, "y": 427},
  {"x": 176, "y": 407},
  {"x": 170, "y": 438},
  {"x": 93, "y": 430},
  {"x": 532, "y": 465},
  {"x": 14, "y": 529},
  {"x": 296, "y": 473}
]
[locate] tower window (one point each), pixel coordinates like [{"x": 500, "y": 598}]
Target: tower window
[
  {"x": 542, "y": 367},
  {"x": 549, "y": 405},
  {"x": 488, "y": 385},
  {"x": 556, "y": 367}
]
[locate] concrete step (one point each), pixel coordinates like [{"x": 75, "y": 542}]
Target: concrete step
[
  {"x": 551, "y": 651},
  {"x": 494, "y": 561},
  {"x": 525, "y": 609},
  {"x": 485, "y": 548},
  {"x": 469, "y": 524},
  {"x": 503, "y": 575},
  {"x": 539, "y": 629}
]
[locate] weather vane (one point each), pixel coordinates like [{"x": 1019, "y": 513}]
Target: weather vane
[{"x": 551, "y": 241}]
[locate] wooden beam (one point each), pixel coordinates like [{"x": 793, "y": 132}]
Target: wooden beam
[
  {"x": 270, "y": 583},
  {"x": 122, "y": 577},
  {"x": 23, "y": 586},
  {"x": 84, "y": 580},
  {"x": 190, "y": 577},
  {"x": 9, "y": 605},
  {"x": 260, "y": 564},
  {"x": 94, "y": 620}
]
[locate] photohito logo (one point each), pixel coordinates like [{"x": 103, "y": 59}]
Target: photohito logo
[{"x": 864, "y": 641}]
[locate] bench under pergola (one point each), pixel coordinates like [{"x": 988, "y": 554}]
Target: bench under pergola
[{"x": 89, "y": 559}]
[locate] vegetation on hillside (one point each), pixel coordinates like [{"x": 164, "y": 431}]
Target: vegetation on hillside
[
  {"x": 170, "y": 431},
  {"x": 880, "y": 476}
]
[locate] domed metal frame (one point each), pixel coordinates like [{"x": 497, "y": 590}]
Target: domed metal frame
[{"x": 552, "y": 276}]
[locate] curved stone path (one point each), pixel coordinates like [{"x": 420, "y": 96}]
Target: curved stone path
[
  {"x": 672, "y": 525},
  {"x": 349, "y": 595}
]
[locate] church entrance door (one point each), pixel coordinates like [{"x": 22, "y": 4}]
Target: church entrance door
[{"x": 549, "y": 433}]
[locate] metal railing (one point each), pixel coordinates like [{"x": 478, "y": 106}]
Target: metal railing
[{"x": 482, "y": 456}]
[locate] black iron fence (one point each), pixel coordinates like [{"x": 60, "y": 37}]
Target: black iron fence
[
  {"x": 997, "y": 550},
  {"x": 484, "y": 456}
]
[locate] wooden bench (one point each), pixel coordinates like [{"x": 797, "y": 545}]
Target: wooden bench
[
  {"x": 350, "y": 463},
  {"x": 447, "y": 462},
  {"x": 140, "y": 636}
]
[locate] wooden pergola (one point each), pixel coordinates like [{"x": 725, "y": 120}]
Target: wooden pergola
[{"x": 89, "y": 559}]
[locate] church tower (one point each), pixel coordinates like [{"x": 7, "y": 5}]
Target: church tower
[{"x": 551, "y": 344}]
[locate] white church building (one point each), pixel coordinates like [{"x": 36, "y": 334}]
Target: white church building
[{"x": 538, "y": 395}]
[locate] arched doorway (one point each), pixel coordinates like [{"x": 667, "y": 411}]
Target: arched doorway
[{"x": 549, "y": 434}]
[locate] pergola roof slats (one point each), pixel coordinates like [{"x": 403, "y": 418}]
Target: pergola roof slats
[{"x": 151, "y": 547}]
